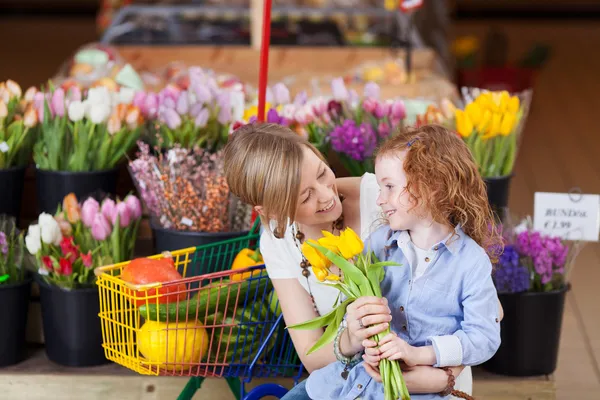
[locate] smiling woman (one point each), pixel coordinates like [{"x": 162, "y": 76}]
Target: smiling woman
[{"x": 297, "y": 196}]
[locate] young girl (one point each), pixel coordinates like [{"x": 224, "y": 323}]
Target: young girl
[{"x": 443, "y": 301}]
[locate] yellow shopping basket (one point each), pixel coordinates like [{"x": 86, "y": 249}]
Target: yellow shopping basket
[{"x": 217, "y": 324}]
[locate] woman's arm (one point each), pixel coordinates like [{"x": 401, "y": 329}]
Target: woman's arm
[
  {"x": 419, "y": 379},
  {"x": 297, "y": 307}
]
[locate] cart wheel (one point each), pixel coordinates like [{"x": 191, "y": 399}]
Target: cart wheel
[{"x": 267, "y": 389}]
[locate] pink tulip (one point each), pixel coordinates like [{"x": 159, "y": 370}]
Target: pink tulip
[
  {"x": 108, "y": 209},
  {"x": 100, "y": 227},
  {"x": 134, "y": 205},
  {"x": 369, "y": 105},
  {"x": 171, "y": 118},
  {"x": 139, "y": 98},
  {"x": 281, "y": 94},
  {"x": 372, "y": 90},
  {"x": 150, "y": 107},
  {"x": 203, "y": 94},
  {"x": 183, "y": 105},
  {"x": 202, "y": 118},
  {"x": 74, "y": 94},
  {"x": 301, "y": 98},
  {"x": 398, "y": 110},
  {"x": 57, "y": 104},
  {"x": 122, "y": 210},
  {"x": 383, "y": 129},
  {"x": 89, "y": 209},
  {"x": 339, "y": 90},
  {"x": 38, "y": 104}
]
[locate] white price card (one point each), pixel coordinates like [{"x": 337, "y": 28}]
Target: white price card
[{"x": 570, "y": 216}]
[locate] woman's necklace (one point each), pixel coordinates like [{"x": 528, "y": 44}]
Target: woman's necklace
[{"x": 338, "y": 225}]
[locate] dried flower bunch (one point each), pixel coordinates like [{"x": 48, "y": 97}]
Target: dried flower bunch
[{"x": 186, "y": 190}]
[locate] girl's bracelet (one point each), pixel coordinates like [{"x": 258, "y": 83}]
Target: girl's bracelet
[{"x": 450, "y": 387}]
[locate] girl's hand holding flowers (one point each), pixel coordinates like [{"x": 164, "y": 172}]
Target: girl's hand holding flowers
[
  {"x": 367, "y": 316},
  {"x": 392, "y": 347}
]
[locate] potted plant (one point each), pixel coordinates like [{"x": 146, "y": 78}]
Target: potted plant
[
  {"x": 18, "y": 121},
  {"x": 187, "y": 197},
  {"x": 531, "y": 279},
  {"x": 491, "y": 124},
  {"x": 15, "y": 287},
  {"x": 67, "y": 247},
  {"x": 200, "y": 115},
  {"x": 81, "y": 142},
  {"x": 346, "y": 127}
]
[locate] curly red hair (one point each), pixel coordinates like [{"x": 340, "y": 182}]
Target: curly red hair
[{"x": 443, "y": 178}]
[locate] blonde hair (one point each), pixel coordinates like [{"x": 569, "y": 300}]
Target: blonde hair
[
  {"x": 263, "y": 166},
  {"x": 442, "y": 176}
]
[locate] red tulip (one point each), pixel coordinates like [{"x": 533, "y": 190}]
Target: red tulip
[{"x": 66, "y": 266}]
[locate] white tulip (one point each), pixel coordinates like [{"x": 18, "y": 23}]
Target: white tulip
[
  {"x": 99, "y": 95},
  {"x": 33, "y": 240},
  {"x": 288, "y": 111},
  {"x": 125, "y": 95},
  {"x": 50, "y": 229},
  {"x": 76, "y": 111},
  {"x": 237, "y": 105},
  {"x": 99, "y": 113},
  {"x": 4, "y": 147}
]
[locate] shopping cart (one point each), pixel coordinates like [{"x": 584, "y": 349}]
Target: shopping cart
[{"x": 220, "y": 323}]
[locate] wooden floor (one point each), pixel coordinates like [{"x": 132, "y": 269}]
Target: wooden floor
[{"x": 560, "y": 149}]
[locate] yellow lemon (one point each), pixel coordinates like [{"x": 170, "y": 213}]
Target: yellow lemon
[{"x": 173, "y": 345}]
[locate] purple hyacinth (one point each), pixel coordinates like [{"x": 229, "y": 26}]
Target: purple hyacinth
[
  {"x": 272, "y": 117},
  {"x": 510, "y": 276},
  {"x": 358, "y": 142},
  {"x": 548, "y": 254},
  {"x": 3, "y": 243}
]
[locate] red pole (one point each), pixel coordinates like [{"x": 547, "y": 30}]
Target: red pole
[{"x": 263, "y": 73}]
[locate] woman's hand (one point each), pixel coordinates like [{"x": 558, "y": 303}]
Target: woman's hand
[{"x": 365, "y": 317}]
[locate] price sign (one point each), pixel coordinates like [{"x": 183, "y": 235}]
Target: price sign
[{"x": 570, "y": 216}]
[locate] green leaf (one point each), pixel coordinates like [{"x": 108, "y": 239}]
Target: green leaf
[
  {"x": 385, "y": 264},
  {"x": 327, "y": 337},
  {"x": 342, "y": 288},
  {"x": 115, "y": 241},
  {"x": 331, "y": 331},
  {"x": 315, "y": 323}
]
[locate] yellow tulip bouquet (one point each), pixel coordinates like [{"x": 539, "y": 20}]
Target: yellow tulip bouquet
[
  {"x": 362, "y": 276},
  {"x": 491, "y": 126}
]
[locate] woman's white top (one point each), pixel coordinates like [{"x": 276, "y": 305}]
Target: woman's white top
[{"x": 282, "y": 256}]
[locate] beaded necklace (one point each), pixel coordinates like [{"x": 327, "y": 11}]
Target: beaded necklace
[{"x": 338, "y": 225}]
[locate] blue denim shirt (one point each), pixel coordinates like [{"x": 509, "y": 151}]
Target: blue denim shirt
[{"x": 453, "y": 306}]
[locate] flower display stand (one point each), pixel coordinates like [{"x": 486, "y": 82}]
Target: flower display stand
[{"x": 319, "y": 66}]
